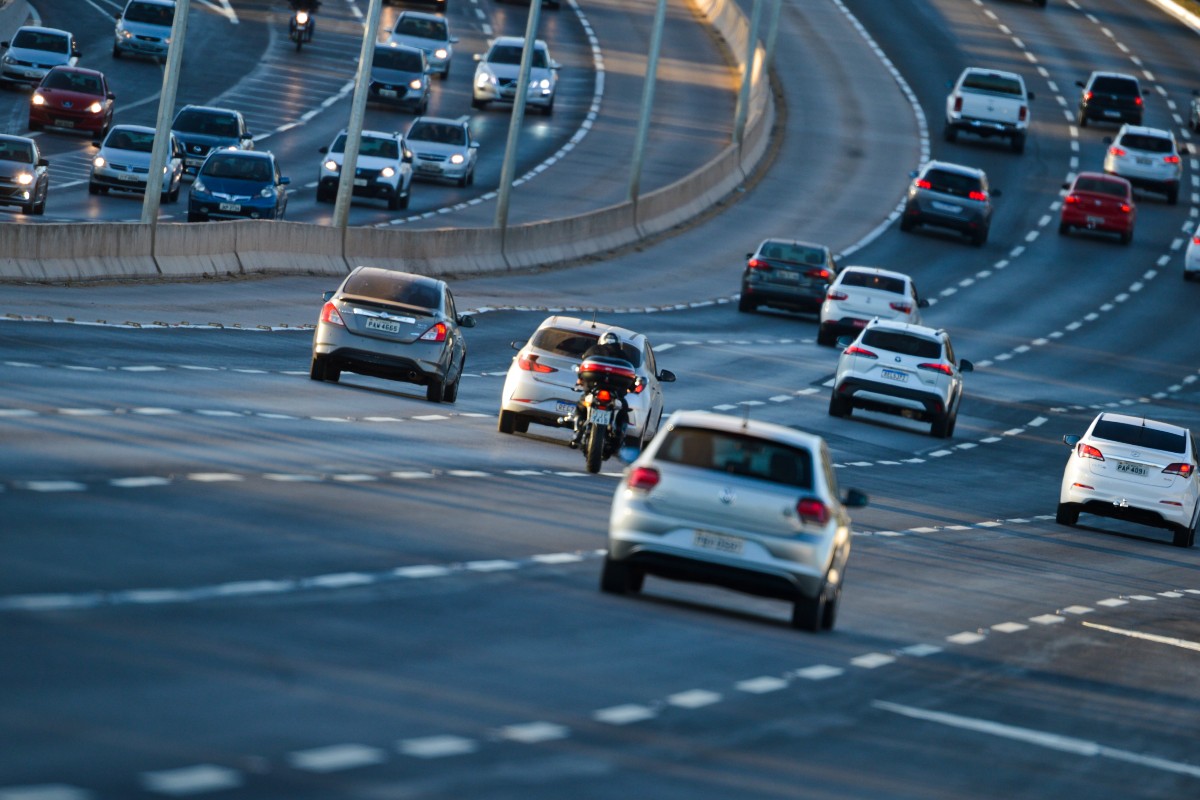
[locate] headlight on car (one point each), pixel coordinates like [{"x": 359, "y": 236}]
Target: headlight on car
[
  {"x": 198, "y": 186},
  {"x": 387, "y": 172},
  {"x": 24, "y": 178},
  {"x": 331, "y": 166},
  {"x": 98, "y": 161},
  {"x": 484, "y": 78},
  {"x": 457, "y": 158},
  {"x": 124, "y": 34},
  {"x": 544, "y": 83},
  {"x": 37, "y": 100},
  {"x": 96, "y": 107},
  {"x": 267, "y": 191},
  {"x": 441, "y": 52},
  {"x": 7, "y": 59},
  {"x": 416, "y": 83}
]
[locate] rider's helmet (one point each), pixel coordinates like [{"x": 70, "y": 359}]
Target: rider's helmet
[{"x": 608, "y": 337}]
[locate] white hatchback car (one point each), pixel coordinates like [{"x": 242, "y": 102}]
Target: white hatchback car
[
  {"x": 903, "y": 369},
  {"x": 33, "y": 51},
  {"x": 123, "y": 162},
  {"x": 1134, "y": 469},
  {"x": 498, "y": 69},
  {"x": 1191, "y": 259},
  {"x": 540, "y": 386},
  {"x": 739, "y": 503},
  {"x": 860, "y": 294},
  {"x": 1146, "y": 157}
]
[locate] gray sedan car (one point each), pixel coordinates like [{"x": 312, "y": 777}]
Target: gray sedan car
[
  {"x": 748, "y": 505},
  {"x": 392, "y": 325},
  {"x": 950, "y": 196}
]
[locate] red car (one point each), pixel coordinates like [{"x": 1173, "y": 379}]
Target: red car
[
  {"x": 1099, "y": 202},
  {"x": 72, "y": 97}
]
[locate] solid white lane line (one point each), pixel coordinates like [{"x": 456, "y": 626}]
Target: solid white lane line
[{"x": 1150, "y": 637}]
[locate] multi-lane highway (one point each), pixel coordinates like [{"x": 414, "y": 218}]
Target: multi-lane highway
[{"x": 218, "y": 578}]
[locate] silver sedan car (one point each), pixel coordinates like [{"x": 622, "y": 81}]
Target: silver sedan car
[
  {"x": 747, "y": 505},
  {"x": 392, "y": 325}
]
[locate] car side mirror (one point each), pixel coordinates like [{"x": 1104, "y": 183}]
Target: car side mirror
[
  {"x": 111, "y": 95},
  {"x": 845, "y": 341},
  {"x": 95, "y": 143},
  {"x": 1079, "y": 83},
  {"x": 1070, "y": 440},
  {"x": 1108, "y": 140},
  {"x": 855, "y": 498},
  {"x": 1030, "y": 96},
  {"x": 666, "y": 376},
  {"x": 474, "y": 145},
  {"x": 284, "y": 181},
  {"x": 965, "y": 366},
  {"x": 555, "y": 65},
  {"x": 922, "y": 303},
  {"x": 1066, "y": 186},
  {"x": 327, "y": 296},
  {"x": 453, "y": 40},
  {"x": 42, "y": 162},
  {"x": 466, "y": 321},
  {"x": 407, "y": 158}
]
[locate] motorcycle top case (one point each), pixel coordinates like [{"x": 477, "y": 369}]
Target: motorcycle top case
[{"x": 611, "y": 373}]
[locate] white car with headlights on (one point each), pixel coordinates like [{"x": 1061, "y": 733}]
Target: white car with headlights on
[
  {"x": 739, "y": 503},
  {"x": 429, "y": 32},
  {"x": 499, "y": 68},
  {"x": 123, "y": 163},
  {"x": 383, "y": 170},
  {"x": 442, "y": 149},
  {"x": 861, "y": 294},
  {"x": 540, "y": 386},
  {"x": 1134, "y": 469}
]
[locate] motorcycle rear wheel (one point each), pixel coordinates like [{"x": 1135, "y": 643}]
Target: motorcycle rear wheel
[{"x": 595, "y": 448}]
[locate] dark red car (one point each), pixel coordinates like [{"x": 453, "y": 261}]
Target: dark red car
[
  {"x": 1099, "y": 202},
  {"x": 74, "y": 98}
]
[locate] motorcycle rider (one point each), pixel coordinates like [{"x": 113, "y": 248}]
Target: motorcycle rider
[
  {"x": 309, "y": 6},
  {"x": 607, "y": 346}
]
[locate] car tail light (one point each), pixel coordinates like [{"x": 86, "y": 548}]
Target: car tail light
[
  {"x": 604, "y": 396},
  {"x": 643, "y": 479},
  {"x": 958, "y": 101},
  {"x": 435, "y": 334},
  {"x": 1087, "y": 451},
  {"x": 979, "y": 197},
  {"x": 1171, "y": 159},
  {"x": 943, "y": 368},
  {"x": 639, "y": 386},
  {"x": 855, "y": 350},
  {"x": 1116, "y": 151},
  {"x": 924, "y": 184},
  {"x": 1087, "y": 96},
  {"x": 1072, "y": 199},
  {"x": 903, "y": 308},
  {"x": 529, "y": 363},
  {"x": 1137, "y": 101},
  {"x": 758, "y": 263},
  {"x": 1023, "y": 113},
  {"x": 836, "y": 296},
  {"x": 1180, "y": 469},
  {"x": 330, "y": 314},
  {"x": 1196, "y": 240},
  {"x": 810, "y": 509},
  {"x": 1126, "y": 208},
  {"x": 818, "y": 273}
]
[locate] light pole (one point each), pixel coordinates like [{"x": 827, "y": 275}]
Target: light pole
[
  {"x": 639, "y": 145},
  {"x": 508, "y": 168},
  {"x": 358, "y": 110},
  {"x": 166, "y": 111}
]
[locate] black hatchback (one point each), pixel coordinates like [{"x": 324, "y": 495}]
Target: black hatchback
[
  {"x": 1110, "y": 97},
  {"x": 787, "y": 274}
]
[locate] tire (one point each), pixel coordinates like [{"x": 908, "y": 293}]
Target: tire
[
  {"x": 316, "y": 371},
  {"x": 324, "y": 196},
  {"x": 617, "y": 577},
  {"x": 40, "y": 208},
  {"x": 1063, "y": 229},
  {"x": 27, "y": 208},
  {"x": 194, "y": 217},
  {"x": 435, "y": 390},
  {"x": 808, "y": 613},
  {"x": 475, "y": 103},
  {"x": 93, "y": 188},
  {"x": 949, "y": 133},
  {"x": 174, "y": 193},
  {"x": 1083, "y": 119},
  {"x": 463, "y": 180},
  {"x": 116, "y": 53},
  {"x": 1066, "y": 514},
  {"x": 832, "y": 601},
  {"x": 1184, "y": 536},
  {"x": 1018, "y": 143},
  {"x": 521, "y": 424},
  {"x": 393, "y": 202},
  {"x": 507, "y": 422},
  {"x": 907, "y": 223},
  {"x": 403, "y": 204},
  {"x": 1126, "y": 237},
  {"x": 594, "y": 449},
  {"x": 450, "y": 393},
  {"x": 471, "y": 177},
  {"x": 826, "y": 337},
  {"x": 980, "y": 239},
  {"x": 1173, "y": 195},
  {"x": 548, "y": 110},
  {"x": 35, "y": 126},
  {"x": 744, "y": 304},
  {"x": 943, "y": 426},
  {"x": 839, "y": 406},
  {"x": 299, "y": 42}
]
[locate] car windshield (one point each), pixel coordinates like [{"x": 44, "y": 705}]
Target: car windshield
[
  {"x": 123, "y": 139},
  {"x": 394, "y": 287},
  {"x": 795, "y": 253},
  {"x": 438, "y": 132},
  {"x": 402, "y": 60},
  {"x": 511, "y": 54},
  {"x": 903, "y": 343},
  {"x": 1141, "y": 436},
  {"x": 40, "y": 40},
  {"x": 573, "y": 344},
  {"x": 21, "y": 152},
  {"x": 949, "y": 182},
  {"x": 1147, "y": 142},
  {"x": 738, "y": 454},
  {"x": 421, "y": 28},
  {"x": 376, "y": 146},
  {"x": 1111, "y": 85},
  {"x": 871, "y": 280},
  {"x": 1101, "y": 186},
  {"x": 206, "y": 122},
  {"x": 149, "y": 13},
  {"x": 990, "y": 82},
  {"x": 71, "y": 81},
  {"x": 232, "y": 166}
]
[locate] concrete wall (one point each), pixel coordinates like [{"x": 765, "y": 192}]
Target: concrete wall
[{"x": 98, "y": 251}]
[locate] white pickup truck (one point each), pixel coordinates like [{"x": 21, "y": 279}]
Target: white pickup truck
[{"x": 988, "y": 102}]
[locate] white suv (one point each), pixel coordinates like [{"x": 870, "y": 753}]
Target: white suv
[
  {"x": 901, "y": 369},
  {"x": 383, "y": 170},
  {"x": 1147, "y": 158},
  {"x": 860, "y": 294},
  {"x": 1135, "y": 469}
]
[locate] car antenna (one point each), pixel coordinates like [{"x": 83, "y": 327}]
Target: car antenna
[
  {"x": 745, "y": 416},
  {"x": 594, "y": 318}
]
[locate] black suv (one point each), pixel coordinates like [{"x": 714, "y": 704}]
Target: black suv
[{"x": 1110, "y": 97}]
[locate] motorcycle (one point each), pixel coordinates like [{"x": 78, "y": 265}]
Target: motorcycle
[
  {"x": 300, "y": 30},
  {"x": 601, "y": 415}
]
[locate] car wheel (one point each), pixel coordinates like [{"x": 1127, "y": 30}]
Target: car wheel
[
  {"x": 839, "y": 406},
  {"x": 809, "y": 612},
  {"x": 477, "y": 103},
  {"x": 949, "y": 133},
  {"x": 404, "y": 198},
  {"x": 1018, "y": 143},
  {"x": 28, "y": 208},
  {"x": 980, "y": 238},
  {"x": 906, "y": 222},
  {"x": 40, "y": 208},
  {"x": 826, "y": 337},
  {"x": 1067, "y": 514},
  {"x": 943, "y": 426},
  {"x": 1063, "y": 229},
  {"x": 463, "y": 180},
  {"x": 548, "y": 109},
  {"x": 35, "y": 126},
  {"x": 116, "y": 52},
  {"x": 745, "y": 305},
  {"x": 507, "y": 421},
  {"x": 435, "y": 390},
  {"x": 393, "y": 201},
  {"x": 471, "y": 177},
  {"x": 174, "y": 194},
  {"x": 316, "y": 370},
  {"x": 93, "y": 188},
  {"x": 193, "y": 217},
  {"x": 450, "y": 393},
  {"x": 521, "y": 424},
  {"x": 446, "y": 72},
  {"x": 832, "y": 600},
  {"x": 1127, "y": 236},
  {"x": 620, "y": 578},
  {"x": 1185, "y": 536},
  {"x": 1083, "y": 119},
  {"x": 1173, "y": 195}
]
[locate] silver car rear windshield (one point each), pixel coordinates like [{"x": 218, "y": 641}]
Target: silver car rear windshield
[
  {"x": 1141, "y": 436},
  {"x": 904, "y": 343},
  {"x": 738, "y": 454},
  {"x": 572, "y": 344}
]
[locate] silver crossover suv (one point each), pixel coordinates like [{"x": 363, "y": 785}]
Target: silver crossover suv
[
  {"x": 748, "y": 505},
  {"x": 950, "y": 196},
  {"x": 499, "y": 68}
]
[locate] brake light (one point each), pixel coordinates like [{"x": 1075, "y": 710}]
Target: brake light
[
  {"x": 1072, "y": 199},
  {"x": 958, "y": 104},
  {"x": 330, "y": 314},
  {"x": 903, "y": 308},
  {"x": 530, "y": 363},
  {"x": 1087, "y": 451},
  {"x": 818, "y": 273},
  {"x": 1023, "y": 113},
  {"x": 1137, "y": 101},
  {"x": 638, "y": 386},
  {"x": 1087, "y": 95},
  {"x": 923, "y": 184},
  {"x": 811, "y": 509},
  {"x": 836, "y": 296},
  {"x": 1126, "y": 208},
  {"x": 435, "y": 334},
  {"x": 758, "y": 263},
  {"x": 936, "y": 367},
  {"x": 979, "y": 197},
  {"x": 1180, "y": 469},
  {"x": 1171, "y": 159},
  {"x": 1116, "y": 151},
  {"x": 1196, "y": 240},
  {"x": 855, "y": 350},
  {"x": 604, "y": 395},
  {"x": 643, "y": 479}
]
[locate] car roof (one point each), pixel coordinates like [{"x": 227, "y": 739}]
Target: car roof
[
  {"x": 135, "y": 128},
  {"x": 951, "y": 167},
  {"x": 77, "y": 70},
  {"x": 421, "y": 15},
  {"x": 1101, "y": 73},
  {"x": 153, "y": 2},
  {"x": 989, "y": 71},
  {"x": 440, "y": 120},
  {"x": 9, "y": 137},
  {"x": 906, "y": 327},
  {"x": 1143, "y": 130},
  {"x": 380, "y": 134},
  {"x": 875, "y": 271},
  {"x": 397, "y": 46},
  {"x": 41, "y": 29},
  {"x": 398, "y": 274},
  {"x": 209, "y": 109},
  {"x": 265, "y": 155},
  {"x": 590, "y": 326},
  {"x": 794, "y": 242},
  {"x": 1149, "y": 423},
  {"x": 738, "y": 424},
  {"x": 517, "y": 41}
]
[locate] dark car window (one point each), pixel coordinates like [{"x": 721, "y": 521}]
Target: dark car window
[
  {"x": 395, "y": 288},
  {"x": 1101, "y": 186},
  {"x": 21, "y": 152},
  {"x": 1112, "y": 85},
  {"x": 138, "y": 141},
  {"x": 37, "y": 40},
  {"x": 953, "y": 182},
  {"x": 795, "y": 253},
  {"x": 905, "y": 343},
  {"x": 1141, "y": 141},
  {"x": 986, "y": 82},
  {"x": 738, "y": 454},
  {"x": 72, "y": 81},
  {"x": 573, "y": 344},
  {"x": 422, "y": 28},
  {"x": 232, "y": 166},
  {"x": 1140, "y": 436},
  {"x": 149, "y": 13},
  {"x": 869, "y": 280},
  {"x": 206, "y": 122},
  {"x": 401, "y": 60},
  {"x": 438, "y": 132},
  {"x": 511, "y": 54}
]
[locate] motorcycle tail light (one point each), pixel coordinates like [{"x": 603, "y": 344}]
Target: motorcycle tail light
[
  {"x": 1087, "y": 451},
  {"x": 529, "y": 363},
  {"x": 811, "y": 509},
  {"x": 330, "y": 314},
  {"x": 604, "y": 395},
  {"x": 435, "y": 334},
  {"x": 1180, "y": 469},
  {"x": 643, "y": 479}
]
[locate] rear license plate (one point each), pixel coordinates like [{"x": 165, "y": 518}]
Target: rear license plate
[
  {"x": 786, "y": 276},
  {"x": 949, "y": 208},
  {"x": 563, "y": 408},
  {"x": 730, "y": 545},
  {"x": 1144, "y": 160},
  {"x": 1095, "y": 220},
  {"x": 387, "y": 92},
  {"x": 1108, "y": 112},
  {"x": 385, "y": 325},
  {"x": 601, "y": 416},
  {"x": 858, "y": 323},
  {"x": 229, "y": 206},
  {"x": 360, "y": 181},
  {"x": 1132, "y": 469},
  {"x": 894, "y": 375}
]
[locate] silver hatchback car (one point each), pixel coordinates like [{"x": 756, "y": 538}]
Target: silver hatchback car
[
  {"x": 392, "y": 325},
  {"x": 950, "y": 196},
  {"x": 747, "y": 505}
]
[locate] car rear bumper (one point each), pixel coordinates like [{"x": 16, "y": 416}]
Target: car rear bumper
[
  {"x": 1111, "y": 501},
  {"x": 891, "y": 398},
  {"x": 776, "y": 297},
  {"x": 1116, "y": 223}
]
